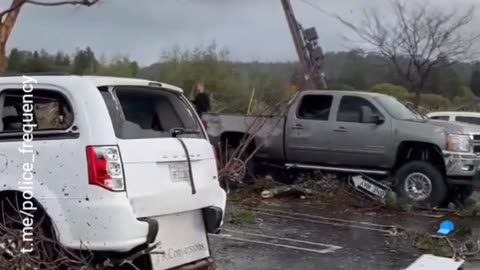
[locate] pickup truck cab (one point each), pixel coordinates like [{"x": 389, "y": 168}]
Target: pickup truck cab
[
  {"x": 115, "y": 165},
  {"x": 363, "y": 132}
]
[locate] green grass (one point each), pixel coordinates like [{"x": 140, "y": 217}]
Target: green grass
[{"x": 241, "y": 216}]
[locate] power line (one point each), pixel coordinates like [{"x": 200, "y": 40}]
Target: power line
[{"x": 318, "y": 8}]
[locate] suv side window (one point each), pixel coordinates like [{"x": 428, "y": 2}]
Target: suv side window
[
  {"x": 315, "y": 107},
  {"x": 469, "y": 120},
  {"x": 43, "y": 110},
  {"x": 350, "y": 109}
]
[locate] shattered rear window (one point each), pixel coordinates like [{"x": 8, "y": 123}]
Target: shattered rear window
[{"x": 149, "y": 112}]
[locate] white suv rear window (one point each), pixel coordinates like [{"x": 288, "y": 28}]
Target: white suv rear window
[{"x": 149, "y": 112}]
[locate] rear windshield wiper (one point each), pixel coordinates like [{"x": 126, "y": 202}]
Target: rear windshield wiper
[{"x": 181, "y": 131}]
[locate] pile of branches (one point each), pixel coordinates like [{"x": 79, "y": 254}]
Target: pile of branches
[
  {"x": 231, "y": 164},
  {"x": 36, "y": 247},
  {"x": 14, "y": 255}
]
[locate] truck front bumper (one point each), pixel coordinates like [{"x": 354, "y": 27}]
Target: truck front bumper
[{"x": 462, "y": 169}]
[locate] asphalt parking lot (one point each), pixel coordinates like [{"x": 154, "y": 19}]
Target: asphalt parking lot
[{"x": 295, "y": 240}]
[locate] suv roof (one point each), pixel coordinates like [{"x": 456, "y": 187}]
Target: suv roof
[
  {"x": 472, "y": 114},
  {"x": 96, "y": 80},
  {"x": 344, "y": 92}
]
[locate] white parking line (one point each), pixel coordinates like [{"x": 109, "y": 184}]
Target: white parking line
[
  {"x": 285, "y": 239},
  {"x": 328, "y": 248},
  {"x": 391, "y": 231}
]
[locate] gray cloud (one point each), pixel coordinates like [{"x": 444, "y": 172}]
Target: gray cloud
[{"x": 142, "y": 29}]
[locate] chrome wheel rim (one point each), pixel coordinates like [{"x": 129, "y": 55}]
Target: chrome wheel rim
[
  {"x": 418, "y": 186},
  {"x": 239, "y": 170}
]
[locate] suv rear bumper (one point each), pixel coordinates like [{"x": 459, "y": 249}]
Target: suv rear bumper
[
  {"x": 102, "y": 225},
  {"x": 112, "y": 226},
  {"x": 462, "y": 169}
]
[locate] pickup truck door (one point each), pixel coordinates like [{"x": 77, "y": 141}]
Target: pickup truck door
[
  {"x": 307, "y": 129},
  {"x": 355, "y": 142}
]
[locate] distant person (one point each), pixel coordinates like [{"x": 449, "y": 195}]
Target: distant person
[{"x": 201, "y": 100}]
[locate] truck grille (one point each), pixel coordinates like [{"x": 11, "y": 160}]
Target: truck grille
[{"x": 476, "y": 143}]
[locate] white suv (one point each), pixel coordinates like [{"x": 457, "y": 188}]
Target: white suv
[
  {"x": 465, "y": 117},
  {"x": 116, "y": 164}
]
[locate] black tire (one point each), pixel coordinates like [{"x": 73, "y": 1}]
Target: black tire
[{"x": 438, "y": 188}]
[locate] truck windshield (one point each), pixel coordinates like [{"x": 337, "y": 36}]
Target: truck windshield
[{"x": 397, "y": 109}]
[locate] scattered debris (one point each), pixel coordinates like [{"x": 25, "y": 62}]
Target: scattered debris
[
  {"x": 428, "y": 261},
  {"x": 286, "y": 190},
  {"x": 433, "y": 244},
  {"x": 461, "y": 244},
  {"x": 323, "y": 182},
  {"x": 370, "y": 187},
  {"x": 470, "y": 208}
]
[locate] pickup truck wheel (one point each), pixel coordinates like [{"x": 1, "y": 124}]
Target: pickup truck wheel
[
  {"x": 422, "y": 183},
  {"x": 243, "y": 171},
  {"x": 249, "y": 169}
]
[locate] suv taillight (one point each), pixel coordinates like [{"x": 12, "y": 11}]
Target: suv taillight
[{"x": 105, "y": 167}]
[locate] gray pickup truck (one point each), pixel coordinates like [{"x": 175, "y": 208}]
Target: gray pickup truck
[{"x": 362, "y": 133}]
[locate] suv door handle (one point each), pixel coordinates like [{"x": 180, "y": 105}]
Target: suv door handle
[{"x": 340, "y": 129}]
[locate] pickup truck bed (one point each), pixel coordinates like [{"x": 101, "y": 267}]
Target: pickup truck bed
[{"x": 268, "y": 132}]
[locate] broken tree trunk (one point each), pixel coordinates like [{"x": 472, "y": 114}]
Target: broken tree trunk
[{"x": 7, "y": 21}]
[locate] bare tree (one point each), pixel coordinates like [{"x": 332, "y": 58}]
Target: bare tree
[
  {"x": 416, "y": 38},
  {"x": 8, "y": 18}
]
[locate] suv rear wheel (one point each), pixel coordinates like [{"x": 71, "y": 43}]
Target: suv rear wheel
[
  {"x": 40, "y": 244},
  {"x": 422, "y": 183}
]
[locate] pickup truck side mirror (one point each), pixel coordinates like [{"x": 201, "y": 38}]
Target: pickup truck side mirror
[
  {"x": 378, "y": 119},
  {"x": 369, "y": 117}
]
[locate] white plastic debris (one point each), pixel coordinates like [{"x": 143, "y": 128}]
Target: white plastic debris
[{"x": 430, "y": 262}]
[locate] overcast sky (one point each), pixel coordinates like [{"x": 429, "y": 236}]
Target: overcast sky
[{"x": 142, "y": 29}]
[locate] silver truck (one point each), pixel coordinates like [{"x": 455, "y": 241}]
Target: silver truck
[{"x": 362, "y": 133}]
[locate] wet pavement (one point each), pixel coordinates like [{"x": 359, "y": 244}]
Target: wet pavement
[{"x": 305, "y": 240}]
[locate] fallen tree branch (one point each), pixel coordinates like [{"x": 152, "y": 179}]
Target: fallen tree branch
[
  {"x": 87, "y": 3},
  {"x": 42, "y": 250},
  {"x": 230, "y": 164},
  {"x": 19, "y": 4},
  {"x": 273, "y": 192}
]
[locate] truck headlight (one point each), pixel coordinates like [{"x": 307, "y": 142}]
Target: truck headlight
[{"x": 459, "y": 143}]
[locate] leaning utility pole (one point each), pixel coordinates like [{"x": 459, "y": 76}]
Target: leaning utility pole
[
  {"x": 309, "y": 53},
  {"x": 297, "y": 41}
]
